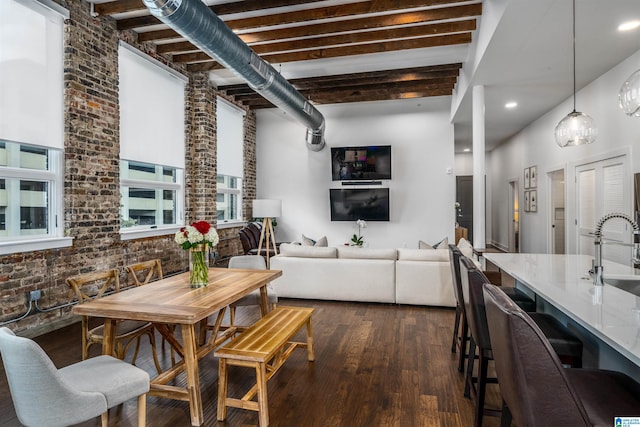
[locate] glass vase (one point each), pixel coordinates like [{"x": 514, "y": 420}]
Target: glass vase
[{"x": 199, "y": 266}]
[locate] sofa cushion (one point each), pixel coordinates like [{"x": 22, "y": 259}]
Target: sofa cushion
[
  {"x": 290, "y": 250},
  {"x": 423, "y": 254},
  {"x": 366, "y": 253}
]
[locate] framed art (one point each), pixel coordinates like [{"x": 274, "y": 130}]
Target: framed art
[
  {"x": 533, "y": 201},
  {"x": 527, "y": 179},
  {"x": 533, "y": 177},
  {"x": 527, "y": 202}
]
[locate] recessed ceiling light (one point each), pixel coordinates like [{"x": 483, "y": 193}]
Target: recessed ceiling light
[
  {"x": 466, "y": 150},
  {"x": 629, "y": 25},
  {"x": 511, "y": 104}
]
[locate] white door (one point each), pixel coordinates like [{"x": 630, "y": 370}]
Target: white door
[{"x": 601, "y": 188}]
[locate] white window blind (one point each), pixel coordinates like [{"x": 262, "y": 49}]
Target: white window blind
[
  {"x": 152, "y": 105},
  {"x": 31, "y": 74},
  {"x": 230, "y": 124}
]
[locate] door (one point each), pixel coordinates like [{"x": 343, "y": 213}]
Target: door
[
  {"x": 464, "y": 196},
  {"x": 557, "y": 212},
  {"x": 600, "y": 189}
]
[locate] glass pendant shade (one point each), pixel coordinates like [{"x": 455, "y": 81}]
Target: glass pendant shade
[
  {"x": 576, "y": 129},
  {"x": 629, "y": 95}
]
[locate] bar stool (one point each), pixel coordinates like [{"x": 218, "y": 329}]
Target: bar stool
[
  {"x": 537, "y": 390},
  {"x": 566, "y": 344}
]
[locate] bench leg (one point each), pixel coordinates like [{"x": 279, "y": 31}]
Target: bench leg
[
  {"x": 222, "y": 389},
  {"x": 310, "y": 353},
  {"x": 263, "y": 407}
]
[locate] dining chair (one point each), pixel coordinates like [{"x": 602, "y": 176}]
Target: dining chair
[
  {"x": 46, "y": 396},
  {"x": 250, "y": 262},
  {"x": 90, "y": 286},
  {"x": 143, "y": 273},
  {"x": 537, "y": 390}
]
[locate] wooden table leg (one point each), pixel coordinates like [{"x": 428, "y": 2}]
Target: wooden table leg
[
  {"x": 264, "y": 301},
  {"x": 109, "y": 339},
  {"x": 191, "y": 370}
]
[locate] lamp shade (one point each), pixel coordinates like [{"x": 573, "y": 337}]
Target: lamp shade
[
  {"x": 629, "y": 95},
  {"x": 267, "y": 208},
  {"x": 576, "y": 129}
]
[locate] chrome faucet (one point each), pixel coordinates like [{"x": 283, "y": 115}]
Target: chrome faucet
[{"x": 597, "y": 261}]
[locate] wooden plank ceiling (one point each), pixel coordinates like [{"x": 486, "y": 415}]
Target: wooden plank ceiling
[{"x": 288, "y": 31}]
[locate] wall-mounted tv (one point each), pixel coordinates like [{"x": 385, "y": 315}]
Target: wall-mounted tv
[
  {"x": 361, "y": 163},
  {"x": 370, "y": 204}
]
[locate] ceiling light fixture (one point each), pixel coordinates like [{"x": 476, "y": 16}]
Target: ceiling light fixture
[
  {"x": 629, "y": 25},
  {"x": 629, "y": 95},
  {"x": 511, "y": 105},
  {"x": 466, "y": 150},
  {"x": 576, "y": 128}
]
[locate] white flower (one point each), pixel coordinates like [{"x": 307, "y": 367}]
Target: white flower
[
  {"x": 180, "y": 238},
  {"x": 212, "y": 236},
  {"x": 361, "y": 223}
]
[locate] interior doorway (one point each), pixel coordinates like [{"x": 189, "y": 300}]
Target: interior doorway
[
  {"x": 464, "y": 196},
  {"x": 557, "y": 211},
  {"x": 514, "y": 217}
]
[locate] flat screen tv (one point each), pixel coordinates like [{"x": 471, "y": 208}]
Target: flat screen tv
[
  {"x": 370, "y": 204},
  {"x": 361, "y": 163}
]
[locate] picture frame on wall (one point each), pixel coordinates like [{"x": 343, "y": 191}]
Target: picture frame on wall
[
  {"x": 533, "y": 201},
  {"x": 533, "y": 177},
  {"x": 526, "y": 201},
  {"x": 527, "y": 178}
]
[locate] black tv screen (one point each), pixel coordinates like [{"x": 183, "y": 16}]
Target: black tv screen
[
  {"x": 370, "y": 204},
  {"x": 361, "y": 163}
]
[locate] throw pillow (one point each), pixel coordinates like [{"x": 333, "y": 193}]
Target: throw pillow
[
  {"x": 443, "y": 244},
  {"x": 306, "y": 241},
  {"x": 465, "y": 247},
  {"x": 321, "y": 242},
  {"x": 424, "y": 245}
]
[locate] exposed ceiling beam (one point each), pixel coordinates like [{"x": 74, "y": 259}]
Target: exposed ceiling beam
[{"x": 341, "y": 39}]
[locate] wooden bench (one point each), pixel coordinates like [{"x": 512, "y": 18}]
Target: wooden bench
[{"x": 265, "y": 346}]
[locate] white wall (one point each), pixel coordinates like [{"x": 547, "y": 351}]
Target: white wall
[
  {"x": 421, "y": 191},
  {"x": 535, "y": 145}
]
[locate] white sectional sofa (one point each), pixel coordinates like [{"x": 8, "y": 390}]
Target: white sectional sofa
[{"x": 403, "y": 276}]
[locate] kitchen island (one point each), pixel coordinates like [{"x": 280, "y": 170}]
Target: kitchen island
[{"x": 606, "y": 318}]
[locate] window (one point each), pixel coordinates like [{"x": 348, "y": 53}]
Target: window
[
  {"x": 31, "y": 126},
  {"x": 230, "y": 121},
  {"x": 152, "y": 138},
  {"x": 150, "y": 195},
  {"x": 29, "y": 180}
]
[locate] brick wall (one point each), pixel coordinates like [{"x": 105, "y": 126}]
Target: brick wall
[{"x": 91, "y": 187}]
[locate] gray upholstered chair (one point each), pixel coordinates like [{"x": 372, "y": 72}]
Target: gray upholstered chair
[
  {"x": 250, "y": 262},
  {"x": 46, "y": 396}
]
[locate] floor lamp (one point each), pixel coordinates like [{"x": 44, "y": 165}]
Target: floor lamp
[{"x": 267, "y": 209}]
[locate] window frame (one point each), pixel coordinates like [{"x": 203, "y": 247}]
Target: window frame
[
  {"x": 239, "y": 204},
  {"x": 140, "y": 231},
  {"x": 54, "y": 177}
]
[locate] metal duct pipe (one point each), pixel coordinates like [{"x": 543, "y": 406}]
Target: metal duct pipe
[{"x": 198, "y": 24}]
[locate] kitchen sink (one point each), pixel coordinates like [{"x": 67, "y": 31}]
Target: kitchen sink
[{"x": 630, "y": 284}]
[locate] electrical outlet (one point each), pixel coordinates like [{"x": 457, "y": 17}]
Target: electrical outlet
[{"x": 35, "y": 295}]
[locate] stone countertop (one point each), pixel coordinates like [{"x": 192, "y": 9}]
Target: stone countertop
[{"x": 611, "y": 314}]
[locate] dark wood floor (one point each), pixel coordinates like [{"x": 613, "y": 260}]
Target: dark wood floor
[{"x": 376, "y": 365}]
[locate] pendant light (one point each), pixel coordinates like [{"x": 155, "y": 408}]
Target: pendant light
[
  {"x": 629, "y": 95},
  {"x": 576, "y": 128}
]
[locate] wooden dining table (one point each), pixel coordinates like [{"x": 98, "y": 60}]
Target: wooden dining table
[{"x": 171, "y": 301}]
